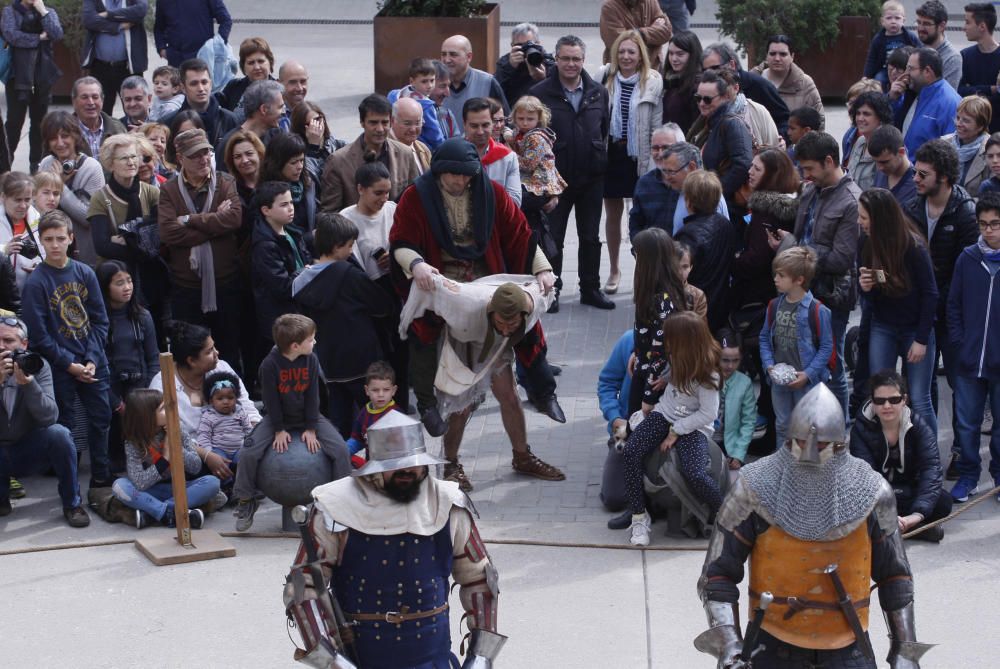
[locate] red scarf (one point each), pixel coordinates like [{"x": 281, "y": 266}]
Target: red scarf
[{"x": 494, "y": 152}]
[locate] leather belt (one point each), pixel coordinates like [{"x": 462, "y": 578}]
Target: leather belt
[
  {"x": 796, "y": 604},
  {"x": 397, "y": 617}
]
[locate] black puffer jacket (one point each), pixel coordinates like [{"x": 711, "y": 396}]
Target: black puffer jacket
[
  {"x": 713, "y": 245},
  {"x": 955, "y": 230},
  {"x": 919, "y": 456},
  {"x": 727, "y": 149}
]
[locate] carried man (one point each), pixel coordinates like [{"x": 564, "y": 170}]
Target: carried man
[{"x": 818, "y": 526}]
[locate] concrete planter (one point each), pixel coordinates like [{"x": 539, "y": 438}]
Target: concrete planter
[{"x": 400, "y": 39}]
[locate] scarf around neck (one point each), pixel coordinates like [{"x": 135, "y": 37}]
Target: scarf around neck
[
  {"x": 130, "y": 195},
  {"x": 483, "y": 212},
  {"x": 989, "y": 254},
  {"x": 966, "y": 152},
  {"x": 617, "y": 130},
  {"x": 201, "y": 259}
]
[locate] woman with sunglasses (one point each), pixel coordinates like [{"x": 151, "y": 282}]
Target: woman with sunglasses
[
  {"x": 149, "y": 162},
  {"x": 899, "y": 444},
  {"x": 896, "y": 273}
]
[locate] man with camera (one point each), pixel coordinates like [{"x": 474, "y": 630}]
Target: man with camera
[
  {"x": 30, "y": 437},
  {"x": 525, "y": 65}
]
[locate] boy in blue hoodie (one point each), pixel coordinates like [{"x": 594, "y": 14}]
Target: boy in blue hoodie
[
  {"x": 974, "y": 330},
  {"x": 892, "y": 36},
  {"x": 422, "y": 81},
  {"x": 797, "y": 332},
  {"x": 64, "y": 311}
]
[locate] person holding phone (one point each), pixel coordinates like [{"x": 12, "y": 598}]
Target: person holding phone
[{"x": 373, "y": 214}]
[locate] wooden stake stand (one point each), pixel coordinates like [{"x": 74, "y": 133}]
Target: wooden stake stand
[{"x": 188, "y": 546}]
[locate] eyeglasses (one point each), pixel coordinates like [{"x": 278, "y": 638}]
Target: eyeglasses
[
  {"x": 672, "y": 173},
  {"x": 989, "y": 225},
  {"x": 128, "y": 159},
  {"x": 411, "y": 124},
  {"x": 659, "y": 147},
  {"x": 925, "y": 24},
  {"x": 705, "y": 99},
  {"x": 923, "y": 174},
  {"x": 569, "y": 59},
  {"x": 880, "y": 401},
  {"x": 500, "y": 121}
]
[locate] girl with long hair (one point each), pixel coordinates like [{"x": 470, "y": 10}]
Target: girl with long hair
[
  {"x": 684, "y": 419},
  {"x": 680, "y": 79},
  {"x": 658, "y": 291},
  {"x": 635, "y": 93},
  {"x": 897, "y": 273},
  {"x": 147, "y": 487},
  {"x": 285, "y": 160},
  {"x": 373, "y": 214}
]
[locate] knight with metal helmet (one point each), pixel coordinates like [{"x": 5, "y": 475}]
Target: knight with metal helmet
[
  {"x": 818, "y": 526},
  {"x": 381, "y": 546}
]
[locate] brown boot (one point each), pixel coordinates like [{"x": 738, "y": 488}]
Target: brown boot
[
  {"x": 528, "y": 463},
  {"x": 453, "y": 471}
]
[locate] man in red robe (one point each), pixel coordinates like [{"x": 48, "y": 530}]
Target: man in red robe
[{"x": 456, "y": 222}]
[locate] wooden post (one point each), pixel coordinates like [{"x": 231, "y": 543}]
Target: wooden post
[
  {"x": 175, "y": 449},
  {"x": 163, "y": 549}
]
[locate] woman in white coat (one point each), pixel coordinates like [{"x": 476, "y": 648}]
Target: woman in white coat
[{"x": 635, "y": 91}]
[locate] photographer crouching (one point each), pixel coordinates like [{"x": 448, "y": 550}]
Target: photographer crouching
[
  {"x": 30, "y": 438},
  {"x": 525, "y": 65}
]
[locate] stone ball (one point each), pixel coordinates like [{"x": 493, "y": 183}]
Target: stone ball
[{"x": 289, "y": 477}]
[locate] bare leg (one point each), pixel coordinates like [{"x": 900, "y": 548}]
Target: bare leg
[
  {"x": 511, "y": 412},
  {"x": 613, "y": 207},
  {"x": 452, "y": 439}
]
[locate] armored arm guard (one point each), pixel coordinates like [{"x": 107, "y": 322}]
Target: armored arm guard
[
  {"x": 311, "y": 611},
  {"x": 474, "y": 573},
  {"x": 905, "y": 652},
  {"x": 890, "y": 568}
]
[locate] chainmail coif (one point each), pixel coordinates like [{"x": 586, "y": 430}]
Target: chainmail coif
[{"x": 808, "y": 501}]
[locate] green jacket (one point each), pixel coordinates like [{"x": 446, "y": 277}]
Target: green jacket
[{"x": 741, "y": 415}]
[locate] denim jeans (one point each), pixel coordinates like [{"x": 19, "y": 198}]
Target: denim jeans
[
  {"x": 947, "y": 352},
  {"x": 677, "y": 12},
  {"x": 34, "y": 452},
  {"x": 784, "y": 400},
  {"x": 838, "y": 380},
  {"x": 159, "y": 497},
  {"x": 234, "y": 460},
  {"x": 889, "y": 342},
  {"x": 94, "y": 397},
  {"x": 971, "y": 395}
]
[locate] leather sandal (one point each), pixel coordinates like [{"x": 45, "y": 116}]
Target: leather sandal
[
  {"x": 528, "y": 463},
  {"x": 453, "y": 471}
]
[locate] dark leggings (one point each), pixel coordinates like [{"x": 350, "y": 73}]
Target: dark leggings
[{"x": 692, "y": 458}]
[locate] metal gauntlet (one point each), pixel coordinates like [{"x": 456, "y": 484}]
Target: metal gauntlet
[
  {"x": 723, "y": 639},
  {"x": 484, "y": 646},
  {"x": 905, "y": 651}
]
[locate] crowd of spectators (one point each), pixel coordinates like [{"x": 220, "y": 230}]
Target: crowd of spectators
[{"x": 212, "y": 216}]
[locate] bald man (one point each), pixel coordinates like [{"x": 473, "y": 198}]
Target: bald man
[
  {"x": 407, "y": 122},
  {"x": 294, "y": 77},
  {"x": 466, "y": 81}
]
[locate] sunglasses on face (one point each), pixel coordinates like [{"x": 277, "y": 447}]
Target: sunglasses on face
[
  {"x": 705, "y": 99},
  {"x": 880, "y": 401}
]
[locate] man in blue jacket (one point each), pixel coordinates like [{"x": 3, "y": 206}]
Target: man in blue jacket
[
  {"x": 932, "y": 113},
  {"x": 183, "y": 26},
  {"x": 109, "y": 56},
  {"x": 974, "y": 331}
]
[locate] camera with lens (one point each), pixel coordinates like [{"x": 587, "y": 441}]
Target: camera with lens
[
  {"x": 29, "y": 362},
  {"x": 533, "y": 53},
  {"x": 68, "y": 166},
  {"x": 29, "y": 249}
]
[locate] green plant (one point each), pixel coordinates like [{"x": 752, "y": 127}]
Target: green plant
[
  {"x": 809, "y": 23},
  {"x": 453, "y": 8}
]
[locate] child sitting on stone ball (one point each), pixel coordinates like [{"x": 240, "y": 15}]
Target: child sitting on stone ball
[{"x": 289, "y": 383}]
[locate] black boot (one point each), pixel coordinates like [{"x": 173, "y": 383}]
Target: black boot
[
  {"x": 621, "y": 522},
  {"x": 593, "y": 297}
]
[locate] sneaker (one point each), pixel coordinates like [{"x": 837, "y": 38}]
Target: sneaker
[
  {"x": 196, "y": 519},
  {"x": 245, "y": 509},
  {"x": 759, "y": 428},
  {"x": 142, "y": 519},
  {"x": 528, "y": 463},
  {"x": 5, "y": 507},
  {"x": 219, "y": 501},
  {"x": 77, "y": 516},
  {"x": 952, "y": 473},
  {"x": 620, "y": 522},
  {"x": 17, "y": 490},
  {"x": 964, "y": 489},
  {"x": 640, "y": 530},
  {"x": 453, "y": 471},
  {"x": 168, "y": 520}
]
